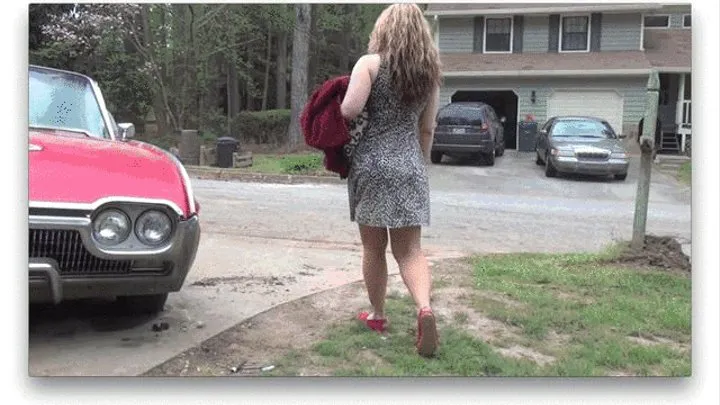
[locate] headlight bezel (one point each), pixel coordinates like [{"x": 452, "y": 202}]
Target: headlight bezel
[{"x": 134, "y": 242}]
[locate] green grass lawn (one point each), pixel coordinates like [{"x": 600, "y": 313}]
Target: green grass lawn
[
  {"x": 296, "y": 163},
  {"x": 685, "y": 173},
  {"x": 589, "y": 318}
]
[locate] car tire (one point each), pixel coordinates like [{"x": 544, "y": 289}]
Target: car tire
[
  {"x": 538, "y": 160},
  {"x": 620, "y": 177},
  {"x": 490, "y": 158},
  {"x": 436, "y": 157},
  {"x": 550, "y": 170},
  {"x": 500, "y": 151},
  {"x": 142, "y": 304}
]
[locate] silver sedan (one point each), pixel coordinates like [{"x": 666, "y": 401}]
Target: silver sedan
[{"x": 582, "y": 145}]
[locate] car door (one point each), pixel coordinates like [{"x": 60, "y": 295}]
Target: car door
[{"x": 494, "y": 125}]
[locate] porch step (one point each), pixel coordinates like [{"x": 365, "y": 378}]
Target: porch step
[
  {"x": 669, "y": 142},
  {"x": 671, "y": 161}
]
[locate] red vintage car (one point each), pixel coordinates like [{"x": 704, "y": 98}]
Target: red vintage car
[{"x": 108, "y": 216}]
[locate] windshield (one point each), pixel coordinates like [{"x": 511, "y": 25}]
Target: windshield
[
  {"x": 64, "y": 101},
  {"x": 582, "y": 128},
  {"x": 458, "y": 114}
]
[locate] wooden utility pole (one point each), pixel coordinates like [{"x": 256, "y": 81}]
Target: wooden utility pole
[{"x": 647, "y": 144}]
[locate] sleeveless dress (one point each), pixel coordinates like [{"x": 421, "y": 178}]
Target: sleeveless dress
[{"x": 388, "y": 181}]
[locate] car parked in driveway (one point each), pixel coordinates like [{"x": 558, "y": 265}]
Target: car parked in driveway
[
  {"x": 583, "y": 145},
  {"x": 108, "y": 216},
  {"x": 468, "y": 129}
]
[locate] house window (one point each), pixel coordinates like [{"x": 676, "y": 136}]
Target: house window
[
  {"x": 686, "y": 21},
  {"x": 498, "y": 34},
  {"x": 657, "y": 21},
  {"x": 575, "y": 34}
]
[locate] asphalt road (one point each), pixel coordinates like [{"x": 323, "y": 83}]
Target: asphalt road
[{"x": 265, "y": 244}]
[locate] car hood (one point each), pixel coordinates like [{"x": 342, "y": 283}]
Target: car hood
[
  {"x": 74, "y": 168},
  {"x": 577, "y": 142}
]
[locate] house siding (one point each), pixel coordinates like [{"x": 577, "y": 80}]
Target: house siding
[
  {"x": 632, "y": 90},
  {"x": 535, "y": 34},
  {"x": 621, "y": 32},
  {"x": 456, "y": 34}
]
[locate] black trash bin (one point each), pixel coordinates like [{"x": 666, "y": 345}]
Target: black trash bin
[
  {"x": 527, "y": 135},
  {"x": 225, "y": 147}
]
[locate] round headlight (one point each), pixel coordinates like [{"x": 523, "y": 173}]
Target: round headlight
[
  {"x": 153, "y": 228},
  {"x": 111, "y": 227}
]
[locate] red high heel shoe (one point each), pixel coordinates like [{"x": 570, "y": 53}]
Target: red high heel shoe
[{"x": 427, "y": 337}]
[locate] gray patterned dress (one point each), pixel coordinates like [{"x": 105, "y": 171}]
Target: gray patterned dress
[{"x": 388, "y": 181}]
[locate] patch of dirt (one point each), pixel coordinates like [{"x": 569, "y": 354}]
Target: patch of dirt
[
  {"x": 645, "y": 339},
  {"x": 520, "y": 352},
  {"x": 660, "y": 252},
  {"x": 246, "y": 280}
]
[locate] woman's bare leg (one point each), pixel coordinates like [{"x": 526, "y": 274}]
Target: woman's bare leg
[
  {"x": 413, "y": 264},
  {"x": 374, "y": 267}
]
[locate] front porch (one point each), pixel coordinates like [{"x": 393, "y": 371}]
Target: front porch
[{"x": 675, "y": 112}]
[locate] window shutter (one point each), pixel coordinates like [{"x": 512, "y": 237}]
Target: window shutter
[
  {"x": 518, "y": 30},
  {"x": 479, "y": 34},
  {"x": 595, "y": 31},
  {"x": 554, "y": 33}
]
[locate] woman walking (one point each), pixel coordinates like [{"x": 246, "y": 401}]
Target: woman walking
[{"x": 397, "y": 83}]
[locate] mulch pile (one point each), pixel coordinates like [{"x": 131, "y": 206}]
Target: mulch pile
[{"x": 659, "y": 251}]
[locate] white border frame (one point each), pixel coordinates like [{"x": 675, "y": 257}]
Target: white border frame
[
  {"x": 589, "y": 32},
  {"x": 512, "y": 33},
  {"x": 455, "y": 90},
  {"x": 645, "y": 26}
]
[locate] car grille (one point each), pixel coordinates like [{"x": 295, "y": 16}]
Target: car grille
[
  {"x": 592, "y": 155},
  {"x": 66, "y": 247}
]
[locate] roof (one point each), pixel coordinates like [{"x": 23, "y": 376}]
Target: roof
[
  {"x": 461, "y": 9},
  {"x": 669, "y": 49},
  {"x": 529, "y": 64}
]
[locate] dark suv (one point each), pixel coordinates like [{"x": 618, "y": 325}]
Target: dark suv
[{"x": 468, "y": 129}]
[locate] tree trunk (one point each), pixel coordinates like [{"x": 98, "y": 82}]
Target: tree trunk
[
  {"x": 299, "y": 89},
  {"x": 233, "y": 91},
  {"x": 266, "y": 82},
  {"x": 314, "y": 51},
  {"x": 281, "y": 71}
]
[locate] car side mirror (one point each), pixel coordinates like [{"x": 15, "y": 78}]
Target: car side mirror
[
  {"x": 127, "y": 131},
  {"x": 503, "y": 119}
]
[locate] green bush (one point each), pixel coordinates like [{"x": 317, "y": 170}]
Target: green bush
[
  {"x": 300, "y": 164},
  {"x": 261, "y": 127}
]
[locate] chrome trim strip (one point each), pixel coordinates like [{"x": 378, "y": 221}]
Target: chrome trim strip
[
  {"x": 48, "y": 268},
  {"x": 106, "y": 200},
  {"x": 40, "y": 222}
]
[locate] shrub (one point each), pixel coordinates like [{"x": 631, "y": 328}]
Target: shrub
[
  {"x": 261, "y": 127},
  {"x": 301, "y": 164}
]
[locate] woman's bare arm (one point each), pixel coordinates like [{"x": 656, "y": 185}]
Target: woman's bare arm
[
  {"x": 427, "y": 123},
  {"x": 361, "y": 80}
]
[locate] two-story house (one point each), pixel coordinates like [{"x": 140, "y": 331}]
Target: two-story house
[{"x": 562, "y": 59}]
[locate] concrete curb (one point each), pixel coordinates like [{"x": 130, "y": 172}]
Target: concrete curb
[{"x": 215, "y": 173}]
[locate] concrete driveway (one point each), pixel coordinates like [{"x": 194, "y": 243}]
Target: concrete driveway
[{"x": 265, "y": 244}]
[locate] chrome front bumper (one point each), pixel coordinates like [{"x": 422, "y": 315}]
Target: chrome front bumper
[
  {"x": 48, "y": 283},
  {"x": 602, "y": 167}
]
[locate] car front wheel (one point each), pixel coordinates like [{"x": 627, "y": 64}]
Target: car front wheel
[
  {"x": 436, "y": 157},
  {"x": 550, "y": 170},
  {"x": 621, "y": 176},
  {"x": 142, "y": 304}
]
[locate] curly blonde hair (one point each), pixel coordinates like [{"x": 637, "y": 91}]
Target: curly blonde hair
[{"x": 402, "y": 36}]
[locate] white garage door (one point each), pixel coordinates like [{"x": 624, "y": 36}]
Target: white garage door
[{"x": 607, "y": 105}]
